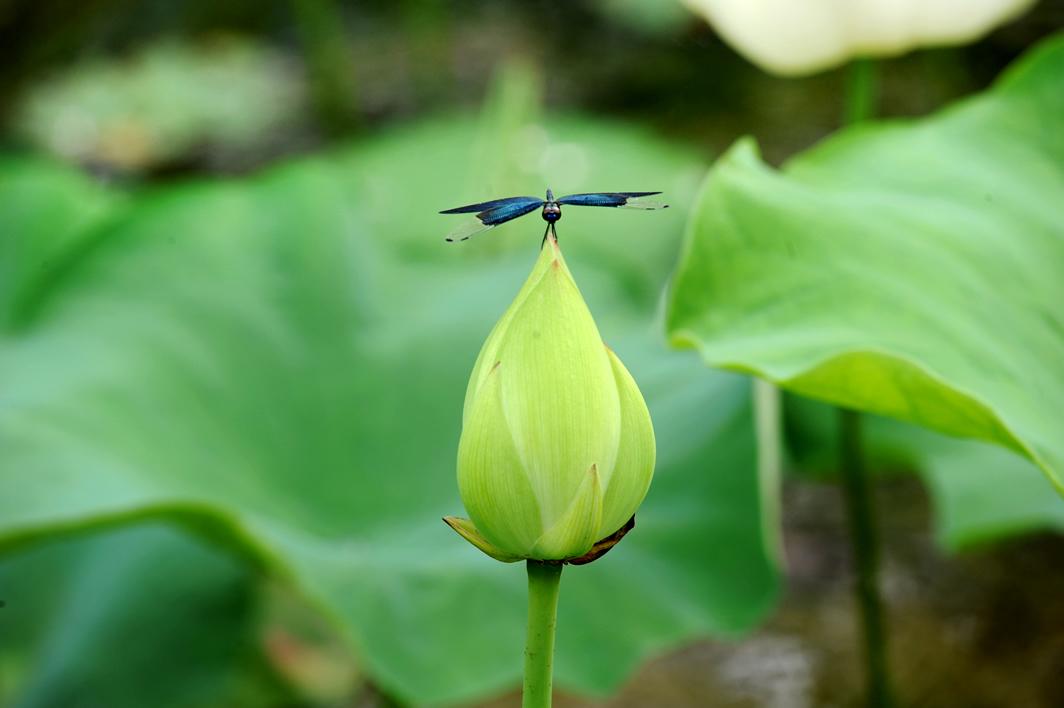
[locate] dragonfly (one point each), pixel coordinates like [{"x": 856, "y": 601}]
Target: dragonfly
[{"x": 499, "y": 211}]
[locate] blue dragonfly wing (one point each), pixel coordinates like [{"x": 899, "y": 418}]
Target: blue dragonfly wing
[
  {"x": 503, "y": 213},
  {"x": 493, "y": 204},
  {"x": 490, "y": 218},
  {"x": 618, "y": 200}
]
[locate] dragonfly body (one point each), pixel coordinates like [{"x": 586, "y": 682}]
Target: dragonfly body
[
  {"x": 499, "y": 211},
  {"x": 552, "y": 210}
]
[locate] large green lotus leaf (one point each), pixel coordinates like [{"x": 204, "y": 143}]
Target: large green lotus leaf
[
  {"x": 279, "y": 363},
  {"x": 129, "y": 618},
  {"x": 913, "y": 269},
  {"x": 59, "y": 208}
]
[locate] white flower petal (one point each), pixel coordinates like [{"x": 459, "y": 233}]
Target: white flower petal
[{"x": 803, "y": 36}]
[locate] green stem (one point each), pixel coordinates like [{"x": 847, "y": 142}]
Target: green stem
[
  {"x": 543, "y": 582},
  {"x": 861, "y": 91},
  {"x": 768, "y": 424},
  {"x": 332, "y": 88},
  {"x": 865, "y": 548},
  {"x": 861, "y": 99}
]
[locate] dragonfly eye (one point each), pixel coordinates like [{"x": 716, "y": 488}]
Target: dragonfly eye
[{"x": 551, "y": 212}]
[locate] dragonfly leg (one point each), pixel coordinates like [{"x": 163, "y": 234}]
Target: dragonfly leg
[{"x": 544, "y": 241}]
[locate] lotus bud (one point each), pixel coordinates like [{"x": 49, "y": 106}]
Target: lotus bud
[{"x": 557, "y": 448}]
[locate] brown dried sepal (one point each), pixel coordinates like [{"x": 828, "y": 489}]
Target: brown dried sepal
[{"x": 603, "y": 547}]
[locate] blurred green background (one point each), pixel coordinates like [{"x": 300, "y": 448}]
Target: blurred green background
[{"x": 233, "y": 350}]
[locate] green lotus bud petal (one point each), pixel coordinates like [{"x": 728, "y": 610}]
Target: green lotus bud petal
[
  {"x": 466, "y": 529},
  {"x": 628, "y": 483},
  {"x": 577, "y": 528},
  {"x": 491, "y": 479},
  {"x": 557, "y": 447}
]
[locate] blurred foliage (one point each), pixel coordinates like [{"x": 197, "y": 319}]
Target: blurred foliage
[
  {"x": 650, "y": 16},
  {"x": 981, "y": 492},
  {"x": 907, "y": 270},
  {"x": 97, "y": 621},
  {"x": 165, "y": 105},
  {"x": 331, "y": 76},
  {"x": 635, "y": 59}
]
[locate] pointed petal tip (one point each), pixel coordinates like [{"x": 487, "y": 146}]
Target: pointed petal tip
[{"x": 466, "y": 529}]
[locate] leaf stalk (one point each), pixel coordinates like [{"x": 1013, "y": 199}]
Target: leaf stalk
[{"x": 865, "y": 547}]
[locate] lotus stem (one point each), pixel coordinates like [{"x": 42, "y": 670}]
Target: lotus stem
[
  {"x": 865, "y": 547},
  {"x": 861, "y": 91},
  {"x": 861, "y": 98},
  {"x": 543, "y": 582}
]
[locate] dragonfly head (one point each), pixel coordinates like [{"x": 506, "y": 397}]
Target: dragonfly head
[{"x": 551, "y": 211}]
